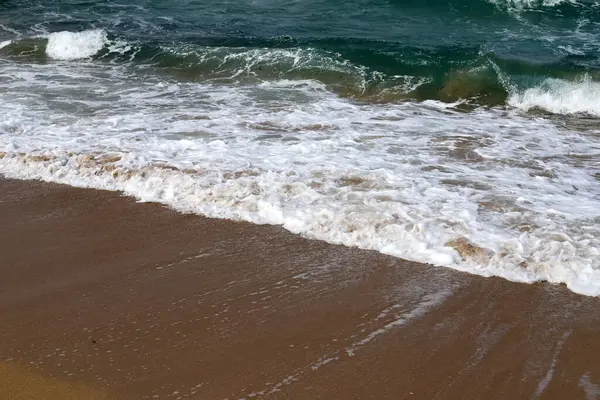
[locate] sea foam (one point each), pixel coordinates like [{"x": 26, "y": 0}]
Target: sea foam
[
  {"x": 494, "y": 192},
  {"x": 525, "y": 4},
  {"x": 75, "y": 45},
  {"x": 561, "y": 97},
  {"x": 486, "y": 192}
]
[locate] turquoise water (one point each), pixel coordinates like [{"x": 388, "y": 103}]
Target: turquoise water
[{"x": 463, "y": 134}]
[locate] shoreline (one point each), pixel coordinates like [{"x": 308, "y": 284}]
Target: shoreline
[
  {"x": 169, "y": 186},
  {"x": 141, "y": 301}
]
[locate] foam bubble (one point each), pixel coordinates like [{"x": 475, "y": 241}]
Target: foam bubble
[
  {"x": 75, "y": 45},
  {"x": 561, "y": 97}
]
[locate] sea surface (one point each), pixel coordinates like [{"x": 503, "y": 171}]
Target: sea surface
[{"x": 463, "y": 134}]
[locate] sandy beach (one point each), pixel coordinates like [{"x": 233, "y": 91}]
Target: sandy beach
[{"x": 102, "y": 297}]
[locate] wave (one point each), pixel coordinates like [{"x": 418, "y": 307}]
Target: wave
[
  {"x": 414, "y": 218},
  {"x": 64, "y": 45},
  {"x": 474, "y": 5},
  {"x": 529, "y": 4},
  {"x": 361, "y": 70},
  {"x": 561, "y": 97},
  {"x": 555, "y": 8},
  {"x": 284, "y": 131},
  {"x": 75, "y": 45}
]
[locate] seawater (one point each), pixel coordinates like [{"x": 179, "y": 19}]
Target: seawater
[{"x": 462, "y": 134}]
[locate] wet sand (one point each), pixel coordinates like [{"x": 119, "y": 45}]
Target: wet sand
[{"x": 102, "y": 297}]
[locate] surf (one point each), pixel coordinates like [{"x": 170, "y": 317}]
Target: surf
[{"x": 471, "y": 148}]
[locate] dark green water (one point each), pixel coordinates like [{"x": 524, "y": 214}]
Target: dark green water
[{"x": 376, "y": 51}]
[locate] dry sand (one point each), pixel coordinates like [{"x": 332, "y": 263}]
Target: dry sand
[{"x": 102, "y": 297}]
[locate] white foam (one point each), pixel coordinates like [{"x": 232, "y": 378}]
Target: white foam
[
  {"x": 523, "y": 4},
  {"x": 75, "y": 45},
  {"x": 561, "y": 97},
  {"x": 5, "y": 43},
  {"x": 241, "y": 63},
  {"x": 402, "y": 179}
]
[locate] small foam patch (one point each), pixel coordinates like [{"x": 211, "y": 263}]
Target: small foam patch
[{"x": 75, "y": 45}]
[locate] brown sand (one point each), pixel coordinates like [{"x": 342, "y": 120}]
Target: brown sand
[
  {"x": 20, "y": 384},
  {"x": 101, "y": 296}
]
